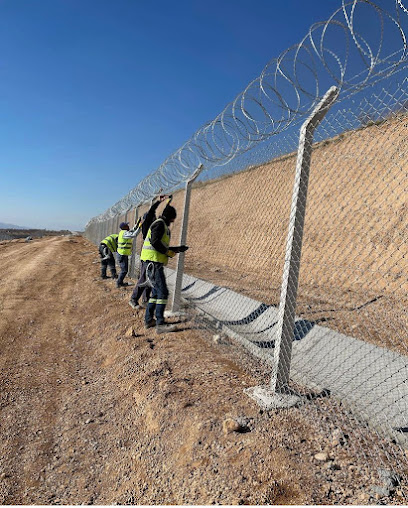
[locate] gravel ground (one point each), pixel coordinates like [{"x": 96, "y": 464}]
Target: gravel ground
[{"x": 96, "y": 410}]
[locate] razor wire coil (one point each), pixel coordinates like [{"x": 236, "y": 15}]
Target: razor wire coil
[{"x": 286, "y": 91}]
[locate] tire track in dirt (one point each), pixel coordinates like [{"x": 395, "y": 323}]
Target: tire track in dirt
[{"x": 41, "y": 362}]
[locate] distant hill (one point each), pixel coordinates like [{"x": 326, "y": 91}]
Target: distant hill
[
  {"x": 16, "y": 232},
  {"x": 3, "y": 225}
]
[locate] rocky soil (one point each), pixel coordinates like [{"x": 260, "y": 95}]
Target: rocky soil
[{"x": 94, "y": 409}]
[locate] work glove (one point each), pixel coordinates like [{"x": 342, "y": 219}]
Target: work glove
[
  {"x": 171, "y": 253},
  {"x": 181, "y": 248}
]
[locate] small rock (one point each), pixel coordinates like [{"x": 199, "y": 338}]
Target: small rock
[
  {"x": 89, "y": 420},
  {"x": 363, "y": 497},
  {"x": 130, "y": 332},
  {"x": 380, "y": 491},
  {"x": 230, "y": 425},
  {"x": 216, "y": 339},
  {"x": 335, "y": 467},
  {"x": 322, "y": 456},
  {"x": 337, "y": 437},
  {"x": 389, "y": 478},
  {"x": 238, "y": 424}
]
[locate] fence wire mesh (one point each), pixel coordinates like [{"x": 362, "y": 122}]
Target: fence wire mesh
[{"x": 350, "y": 331}]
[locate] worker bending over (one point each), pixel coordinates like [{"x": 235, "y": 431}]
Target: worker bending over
[
  {"x": 107, "y": 247},
  {"x": 125, "y": 241},
  {"x": 156, "y": 252}
]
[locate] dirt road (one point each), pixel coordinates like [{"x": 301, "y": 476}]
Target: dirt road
[{"x": 96, "y": 410}]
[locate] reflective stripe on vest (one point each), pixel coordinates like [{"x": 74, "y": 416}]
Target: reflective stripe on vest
[
  {"x": 149, "y": 253},
  {"x": 124, "y": 244},
  {"x": 111, "y": 242}
]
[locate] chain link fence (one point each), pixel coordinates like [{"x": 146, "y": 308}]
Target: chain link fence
[{"x": 348, "y": 334}]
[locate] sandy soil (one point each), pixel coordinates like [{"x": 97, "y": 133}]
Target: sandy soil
[{"x": 96, "y": 410}]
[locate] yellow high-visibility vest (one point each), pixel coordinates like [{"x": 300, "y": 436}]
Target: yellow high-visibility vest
[
  {"x": 149, "y": 253},
  {"x": 124, "y": 244},
  {"x": 111, "y": 242}
]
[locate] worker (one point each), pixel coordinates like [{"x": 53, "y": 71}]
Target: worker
[
  {"x": 143, "y": 290},
  {"x": 107, "y": 247},
  {"x": 125, "y": 241},
  {"x": 156, "y": 251}
]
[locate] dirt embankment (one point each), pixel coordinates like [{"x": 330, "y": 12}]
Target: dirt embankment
[
  {"x": 355, "y": 245},
  {"x": 96, "y": 410}
]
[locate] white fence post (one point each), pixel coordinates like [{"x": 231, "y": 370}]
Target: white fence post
[
  {"x": 290, "y": 279},
  {"x": 175, "y": 304},
  {"x": 278, "y": 393}
]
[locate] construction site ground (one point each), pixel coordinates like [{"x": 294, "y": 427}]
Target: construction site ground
[{"x": 94, "y": 409}]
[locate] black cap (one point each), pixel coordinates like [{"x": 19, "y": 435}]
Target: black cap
[{"x": 169, "y": 212}]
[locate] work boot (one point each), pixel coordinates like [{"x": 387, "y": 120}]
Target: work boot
[
  {"x": 165, "y": 328},
  {"x": 114, "y": 275},
  {"x": 104, "y": 277},
  {"x": 134, "y": 304},
  {"x": 150, "y": 324},
  {"x": 123, "y": 285}
]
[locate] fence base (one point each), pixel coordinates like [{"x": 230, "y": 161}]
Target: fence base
[{"x": 269, "y": 399}]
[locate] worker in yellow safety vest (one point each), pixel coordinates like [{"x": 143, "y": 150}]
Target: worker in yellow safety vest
[
  {"x": 125, "y": 241},
  {"x": 156, "y": 251},
  {"x": 107, "y": 247}
]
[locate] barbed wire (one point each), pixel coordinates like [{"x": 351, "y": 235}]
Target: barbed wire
[{"x": 346, "y": 51}]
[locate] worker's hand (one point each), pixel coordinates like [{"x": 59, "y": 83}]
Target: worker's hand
[
  {"x": 169, "y": 199},
  {"x": 162, "y": 197},
  {"x": 171, "y": 253}
]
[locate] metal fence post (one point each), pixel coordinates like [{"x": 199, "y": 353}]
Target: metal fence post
[
  {"x": 176, "y": 299},
  {"x": 132, "y": 271},
  {"x": 290, "y": 279}
]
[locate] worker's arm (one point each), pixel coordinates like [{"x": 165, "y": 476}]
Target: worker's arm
[
  {"x": 132, "y": 233},
  {"x": 106, "y": 253}
]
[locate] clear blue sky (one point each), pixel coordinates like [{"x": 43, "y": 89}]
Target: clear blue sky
[{"x": 95, "y": 94}]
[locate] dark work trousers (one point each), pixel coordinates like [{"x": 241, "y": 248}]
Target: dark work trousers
[
  {"x": 124, "y": 267},
  {"x": 145, "y": 290},
  {"x": 158, "y": 299},
  {"x": 107, "y": 262}
]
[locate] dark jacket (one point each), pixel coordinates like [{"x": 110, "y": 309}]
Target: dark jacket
[
  {"x": 158, "y": 230},
  {"x": 148, "y": 219}
]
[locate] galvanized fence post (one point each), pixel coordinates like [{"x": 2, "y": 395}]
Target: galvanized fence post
[
  {"x": 132, "y": 263},
  {"x": 176, "y": 299}
]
